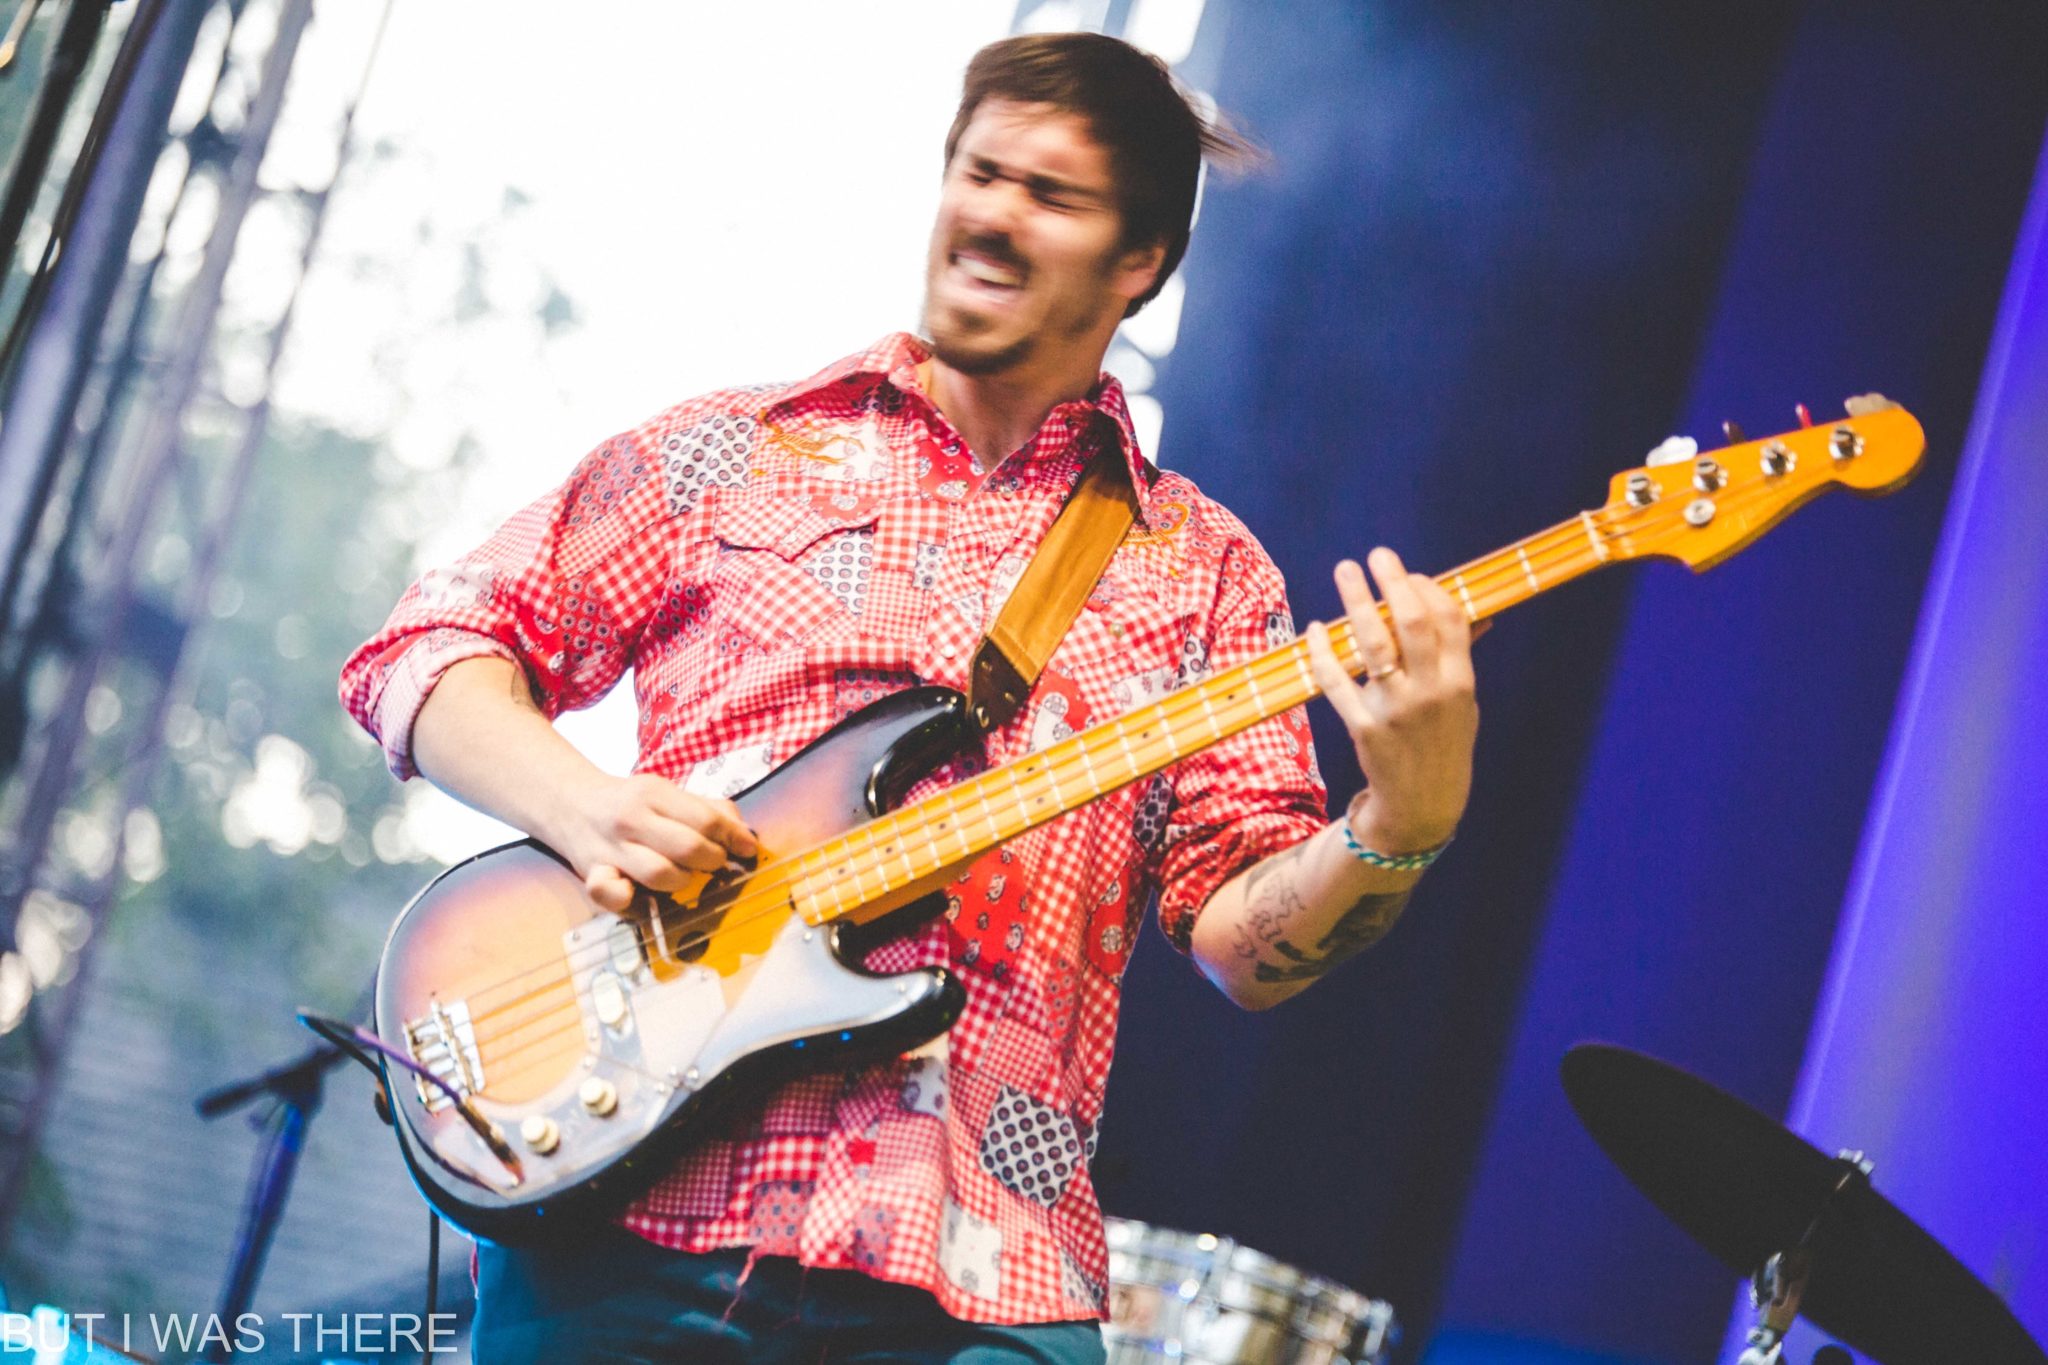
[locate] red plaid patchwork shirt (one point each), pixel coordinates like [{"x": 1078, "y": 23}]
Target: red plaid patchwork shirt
[{"x": 768, "y": 560}]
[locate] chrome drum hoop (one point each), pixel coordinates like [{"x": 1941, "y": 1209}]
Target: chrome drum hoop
[{"x": 1207, "y": 1300}]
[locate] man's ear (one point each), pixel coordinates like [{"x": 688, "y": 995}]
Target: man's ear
[{"x": 1137, "y": 268}]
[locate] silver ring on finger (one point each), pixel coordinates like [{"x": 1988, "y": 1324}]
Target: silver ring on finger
[{"x": 1381, "y": 674}]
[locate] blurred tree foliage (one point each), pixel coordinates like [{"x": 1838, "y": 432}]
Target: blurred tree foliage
[
  {"x": 275, "y": 850},
  {"x": 272, "y": 856},
  {"x": 279, "y": 821}
]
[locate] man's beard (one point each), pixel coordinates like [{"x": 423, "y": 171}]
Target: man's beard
[
  {"x": 959, "y": 353},
  {"x": 955, "y": 344}
]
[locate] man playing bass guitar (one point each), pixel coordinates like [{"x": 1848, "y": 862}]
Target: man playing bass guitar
[{"x": 766, "y": 561}]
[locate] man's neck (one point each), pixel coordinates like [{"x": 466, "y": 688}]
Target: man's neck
[{"x": 997, "y": 414}]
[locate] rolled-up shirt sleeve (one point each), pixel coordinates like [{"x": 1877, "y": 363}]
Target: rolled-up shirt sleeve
[
  {"x": 562, "y": 589},
  {"x": 1250, "y": 795}
]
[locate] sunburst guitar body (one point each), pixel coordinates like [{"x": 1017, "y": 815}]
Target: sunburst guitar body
[{"x": 593, "y": 1044}]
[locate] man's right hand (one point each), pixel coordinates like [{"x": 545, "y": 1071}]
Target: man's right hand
[
  {"x": 482, "y": 738},
  {"x": 644, "y": 830}
]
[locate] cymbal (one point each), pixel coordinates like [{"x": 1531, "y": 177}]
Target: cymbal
[{"x": 1744, "y": 1187}]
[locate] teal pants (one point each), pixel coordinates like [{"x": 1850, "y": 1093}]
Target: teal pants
[{"x": 623, "y": 1299}]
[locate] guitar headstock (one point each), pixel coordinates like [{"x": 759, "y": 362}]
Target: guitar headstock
[{"x": 1701, "y": 507}]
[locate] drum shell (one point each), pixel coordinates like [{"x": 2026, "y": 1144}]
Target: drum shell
[{"x": 1200, "y": 1298}]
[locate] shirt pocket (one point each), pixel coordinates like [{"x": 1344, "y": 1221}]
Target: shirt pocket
[
  {"x": 788, "y": 572},
  {"x": 784, "y": 571}
]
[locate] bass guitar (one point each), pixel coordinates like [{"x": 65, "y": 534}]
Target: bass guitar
[{"x": 544, "y": 1059}]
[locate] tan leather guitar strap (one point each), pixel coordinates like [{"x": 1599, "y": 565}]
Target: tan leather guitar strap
[{"x": 1049, "y": 594}]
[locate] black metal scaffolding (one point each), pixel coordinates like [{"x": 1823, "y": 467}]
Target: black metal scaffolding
[{"x": 113, "y": 519}]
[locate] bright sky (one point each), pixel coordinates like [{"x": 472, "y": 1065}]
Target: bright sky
[{"x": 728, "y": 193}]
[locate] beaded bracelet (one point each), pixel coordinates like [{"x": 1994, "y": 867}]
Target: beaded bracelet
[{"x": 1392, "y": 862}]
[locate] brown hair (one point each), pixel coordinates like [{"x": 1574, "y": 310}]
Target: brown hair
[{"x": 1154, "y": 135}]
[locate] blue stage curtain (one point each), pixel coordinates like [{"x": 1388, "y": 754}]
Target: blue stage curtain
[{"x": 1742, "y": 733}]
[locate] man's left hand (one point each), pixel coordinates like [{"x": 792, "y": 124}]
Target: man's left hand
[{"x": 1413, "y": 715}]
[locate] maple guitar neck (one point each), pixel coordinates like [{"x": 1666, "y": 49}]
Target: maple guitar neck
[{"x": 1697, "y": 510}]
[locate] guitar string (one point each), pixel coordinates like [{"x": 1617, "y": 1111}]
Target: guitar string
[
  {"x": 1569, "y": 539},
  {"x": 523, "y": 1067},
  {"x": 1048, "y": 774},
  {"x": 1566, "y": 536},
  {"x": 1240, "y": 716},
  {"x": 1572, "y": 531}
]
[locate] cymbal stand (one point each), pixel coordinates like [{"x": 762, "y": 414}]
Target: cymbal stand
[
  {"x": 1774, "y": 1291},
  {"x": 1779, "y": 1283}
]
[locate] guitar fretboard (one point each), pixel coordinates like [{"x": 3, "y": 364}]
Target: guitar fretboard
[{"x": 950, "y": 827}]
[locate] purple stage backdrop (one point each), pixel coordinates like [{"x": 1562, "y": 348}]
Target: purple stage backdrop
[{"x": 1930, "y": 1047}]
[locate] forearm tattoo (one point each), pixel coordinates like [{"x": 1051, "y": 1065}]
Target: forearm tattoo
[
  {"x": 1357, "y": 929},
  {"x": 1272, "y": 903}
]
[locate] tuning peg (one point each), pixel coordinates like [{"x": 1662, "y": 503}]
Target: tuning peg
[
  {"x": 1863, "y": 404},
  {"x": 1805, "y": 417},
  {"x": 1673, "y": 450},
  {"x": 1733, "y": 432}
]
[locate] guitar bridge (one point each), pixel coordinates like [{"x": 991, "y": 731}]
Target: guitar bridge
[{"x": 444, "y": 1042}]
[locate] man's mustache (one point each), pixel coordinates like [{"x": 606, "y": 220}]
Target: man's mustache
[{"x": 997, "y": 249}]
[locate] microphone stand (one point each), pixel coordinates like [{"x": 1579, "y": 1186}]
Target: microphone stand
[{"x": 295, "y": 1088}]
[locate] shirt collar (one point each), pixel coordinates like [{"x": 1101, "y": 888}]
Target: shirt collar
[{"x": 895, "y": 360}]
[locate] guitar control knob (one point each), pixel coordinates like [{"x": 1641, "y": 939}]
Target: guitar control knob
[
  {"x": 1845, "y": 443},
  {"x": 1777, "y": 458},
  {"x": 540, "y": 1132},
  {"x": 1642, "y": 490},
  {"x": 1707, "y": 476},
  {"x": 599, "y": 1096}
]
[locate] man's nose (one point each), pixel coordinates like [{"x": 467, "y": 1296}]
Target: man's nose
[{"x": 993, "y": 208}]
